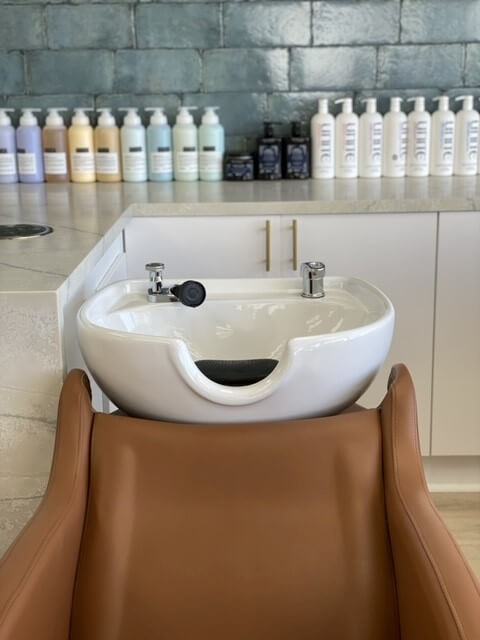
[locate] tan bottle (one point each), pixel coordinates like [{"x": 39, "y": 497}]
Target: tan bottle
[
  {"x": 107, "y": 148},
  {"x": 55, "y": 147},
  {"x": 81, "y": 148}
]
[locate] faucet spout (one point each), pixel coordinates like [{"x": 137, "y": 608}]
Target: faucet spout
[{"x": 313, "y": 273}]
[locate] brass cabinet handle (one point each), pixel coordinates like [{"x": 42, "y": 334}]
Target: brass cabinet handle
[
  {"x": 295, "y": 244},
  {"x": 267, "y": 245}
]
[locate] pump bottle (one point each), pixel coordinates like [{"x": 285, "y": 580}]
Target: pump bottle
[
  {"x": 418, "y": 139},
  {"x": 394, "y": 140},
  {"x": 55, "y": 147},
  {"x": 8, "y": 149},
  {"x": 211, "y": 142},
  {"x": 323, "y": 142},
  {"x": 107, "y": 147},
  {"x": 466, "y": 139},
  {"x": 370, "y": 141},
  {"x": 185, "y": 146},
  {"x": 134, "y": 147},
  {"x": 346, "y": 141},
  {"x": 296, "y": 154},
  {"x": 159, "y": 147},
  {"x": 81, "y": 147},
  {"x": 443, "y": 139},
  {"x": 29, "y": 148}
]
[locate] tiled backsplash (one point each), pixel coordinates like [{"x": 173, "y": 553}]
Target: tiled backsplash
[{"x": 256, "y": 59}]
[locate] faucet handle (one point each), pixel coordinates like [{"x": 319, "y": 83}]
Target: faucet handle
[
  {"x": 155, "y": 266},
  {"x": 314, "y": 267}
]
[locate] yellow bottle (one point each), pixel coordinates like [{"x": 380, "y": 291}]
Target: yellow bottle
[
  {"x": 107, "y": 148},
  {"x": 81, "y": 148}
]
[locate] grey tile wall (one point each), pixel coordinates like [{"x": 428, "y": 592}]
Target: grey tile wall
[{"x": 256, "y": 59}]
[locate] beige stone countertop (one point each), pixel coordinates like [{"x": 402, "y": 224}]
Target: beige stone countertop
[{"x": 87, "y": 218}]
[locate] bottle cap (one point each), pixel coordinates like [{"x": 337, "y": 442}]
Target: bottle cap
[
  {"x": 467, "y": 102},
  {"x": 296, "y": 129},
  {"x": 371, "y": 105},
  {"x": 268, "y": 128},
  {"x": 106, "y": 119},
  {"x": 419, "y": 103},
  {"x": 396, "y": 103},
  {"x": 5, "y": 120},
  {"x": 28, "y": 119},
  {"x": 54, "y": 119},
  {"x": 158, "y": 116},
  {"x": 443, "y": 102},
  {"x": 323, "y": 106},
  {"x": 184, "y": 116},
  {"x": 346, "y": 104},
  {"x": 80, "y": 119},
  {"x": 132, "y": 119},
  {"x": 209, "y": 116}
]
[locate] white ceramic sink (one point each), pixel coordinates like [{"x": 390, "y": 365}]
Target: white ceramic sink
[{"x": 329, "y": 350}]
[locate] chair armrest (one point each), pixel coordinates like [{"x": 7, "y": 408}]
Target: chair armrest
[
  {"x": 37, "y": 573},
  {"x": 438, "y": 593}
]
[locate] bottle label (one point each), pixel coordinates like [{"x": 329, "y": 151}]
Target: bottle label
[
  {"x": 420, "y": 142},
  {"x": 350, "y": 144},
  {"x": 269, "y": 160},
  {"x": 472, "y": 140},
  {"x": 403, "y": 141},
  {"x": 297, "y": 160},
  {"x": 134, "y": 160},
  {"x": 27, "y": 163},
  {"x": 446, "y": 141},
  {"x": 187, "y": 161},
  {"x": 376, "y": 141},
  {"x": 107, "y": 162},
  {"x": 323, "y": 154},
  {"x": 211, "y": 161},
  {"x": 55, "y": 163},
  {"x": 83, "y": 161},
  {"x": 8, "y": 166},
  {"x": 161, "y": 161}
]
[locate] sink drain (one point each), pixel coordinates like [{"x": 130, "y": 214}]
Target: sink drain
[{"x": 21, "y": 231}]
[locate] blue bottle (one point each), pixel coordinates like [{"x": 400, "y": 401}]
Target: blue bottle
[
  {"x": 8, "y": 149},
  {"x": 159, "y": 147},
  {"x": 29, "y": 148}
]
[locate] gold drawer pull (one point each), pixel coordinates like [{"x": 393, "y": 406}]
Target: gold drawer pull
[
  {"x": 267, "y": 246},
  {"x": 295, "y": 244}
]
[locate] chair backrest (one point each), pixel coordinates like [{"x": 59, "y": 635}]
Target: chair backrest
[{"x": 258, "y": 532}]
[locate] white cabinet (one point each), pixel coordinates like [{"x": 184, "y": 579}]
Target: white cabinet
[
  {"x": 456, "y": 407},
  {"x": 395, "y": 252},
  {"x": 204, "y": 246}
]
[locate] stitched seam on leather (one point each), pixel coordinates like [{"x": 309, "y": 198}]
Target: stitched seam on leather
[
  {"x": 53, "y": 530},
  {"x": 410, "y": 518}
]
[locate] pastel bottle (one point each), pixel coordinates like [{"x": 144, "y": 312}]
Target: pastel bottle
[
  {"x": 134, "y": 147},
  {"x": 185, "y": 146},
  {"x": 107, "y": 148},
  {"x": 8, "y": 149},
  {"x": 346, "y": 141},
  {"x": 81, "y": 147},
  {"x": 211, "y": 141},
  {"x": 159, "y": 147},
  {"x": 466, "y": 139},
  {"x": 29, "y": 148},
  {"x": 394, "y": 140},
  {"x": 418, "y": 139},
  {"x": 370, "y": 141},
  {"x": 55, "y": 147},
  {"x": 443, "y": 139},
  {"x": 322, "y": 130}
]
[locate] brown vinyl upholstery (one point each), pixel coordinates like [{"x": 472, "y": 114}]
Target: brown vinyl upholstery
[{"x": 308, "y": 529}]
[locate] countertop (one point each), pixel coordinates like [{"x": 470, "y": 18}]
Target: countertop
[{"x": 87, "y": 218}]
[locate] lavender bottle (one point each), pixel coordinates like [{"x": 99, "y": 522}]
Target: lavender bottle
[
  {"x": 8, "y": 148},
  {"x": 29, "y": 148}
]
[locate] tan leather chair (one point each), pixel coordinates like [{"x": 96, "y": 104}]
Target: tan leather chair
[{"x": 304, "y": 530}]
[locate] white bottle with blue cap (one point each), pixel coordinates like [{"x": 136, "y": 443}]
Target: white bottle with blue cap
[
  {"x": 185, "y": 146},
  {"x": 211, "y": 141},
  {"x": 159, "y": 147},
  {"x": 134, "y": 147}
]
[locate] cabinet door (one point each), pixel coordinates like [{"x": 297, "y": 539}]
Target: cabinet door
[
  {"x": 456, "y": 378},
  {"x": 395, "y": 252},
  {"x": 204, "y": 247}
]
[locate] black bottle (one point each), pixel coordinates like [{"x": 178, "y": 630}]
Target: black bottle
[
  {"x": 296, "y": 154},
  {"x": 269, "y": 156}
]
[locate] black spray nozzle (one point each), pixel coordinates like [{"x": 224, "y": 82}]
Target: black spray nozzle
[
  {"x": 297, "y": 128},
  {"x": 268, "y": 127}
]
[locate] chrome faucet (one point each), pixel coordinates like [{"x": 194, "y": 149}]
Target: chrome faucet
[
  {"x": 190, "y": 293},
  {"x": 313, "y": 273}
]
